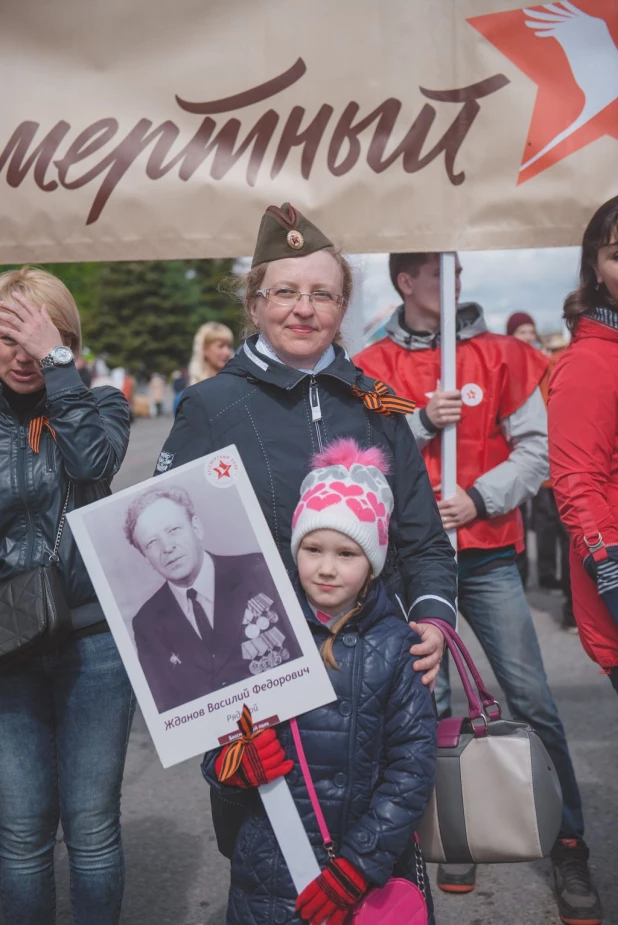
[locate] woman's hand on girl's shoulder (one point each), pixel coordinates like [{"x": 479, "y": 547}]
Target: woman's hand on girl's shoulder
[{"x": 429, "y": 652}]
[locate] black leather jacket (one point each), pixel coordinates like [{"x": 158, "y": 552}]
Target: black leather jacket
[{"x": 91, "y": 437}]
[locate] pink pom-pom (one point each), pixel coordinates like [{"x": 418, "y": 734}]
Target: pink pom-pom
[{"x": 346, "y": 451}]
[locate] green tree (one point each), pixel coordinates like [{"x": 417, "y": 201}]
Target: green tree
[
  {"x": 210, "y": 304},
  {"x": 148, "y": 311}
]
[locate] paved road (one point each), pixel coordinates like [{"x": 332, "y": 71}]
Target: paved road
[{"x": 176, "y": 877}]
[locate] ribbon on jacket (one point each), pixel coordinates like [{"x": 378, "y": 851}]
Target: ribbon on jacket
[
  {"x": 232, "y": 756},
  {"x": 381, "y": 400},
  {"x": 35, "y": 431}
]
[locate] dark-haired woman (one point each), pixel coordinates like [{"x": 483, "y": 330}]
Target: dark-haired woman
[{"x": 583, "y": 439}]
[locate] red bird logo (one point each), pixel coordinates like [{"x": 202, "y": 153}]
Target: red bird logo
[
  {"x": 571, "y": 52},
  {"x": 223, "y": 470}
]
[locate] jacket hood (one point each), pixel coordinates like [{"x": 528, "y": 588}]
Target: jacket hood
[
  {"x": 375, "y": 607},
  {"x": 250, "y": 363},
  {"x": 470, "y": 323}
]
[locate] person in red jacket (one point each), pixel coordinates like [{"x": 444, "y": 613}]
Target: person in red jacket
[
  {"x": 583, "y": 440},
  {"x": 501, "y": 462}
]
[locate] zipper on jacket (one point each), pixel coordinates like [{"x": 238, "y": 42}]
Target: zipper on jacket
[
  {"x": 316, "y": 411},
  {"x": 51, "y": 462},
  {"x": 357, "y": 680},
  {"x": 21, "y": 471}
]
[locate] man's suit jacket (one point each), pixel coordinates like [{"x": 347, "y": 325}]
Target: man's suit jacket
[{"x": 178, "y": 665}]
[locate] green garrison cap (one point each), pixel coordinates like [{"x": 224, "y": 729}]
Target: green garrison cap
[{"x": 285, "y": 232}]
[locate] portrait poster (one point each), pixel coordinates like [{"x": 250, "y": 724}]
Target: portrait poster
[{"x": 200, "y": 605}]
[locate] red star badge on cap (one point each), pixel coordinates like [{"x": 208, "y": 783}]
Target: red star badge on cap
[
  {"x": 223, "y": 470},
  {"x": 570, "y": 50}
]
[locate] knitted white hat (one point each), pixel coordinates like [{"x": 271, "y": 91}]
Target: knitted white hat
[{"x": 347, "y": 491}]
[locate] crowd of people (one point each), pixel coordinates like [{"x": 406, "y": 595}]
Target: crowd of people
[{"x": 300, "y": 409}]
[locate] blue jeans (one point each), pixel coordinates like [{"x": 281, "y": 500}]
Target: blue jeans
[
  {"x": 64, "y": 725},
  {"x": 497, "y": 611}
]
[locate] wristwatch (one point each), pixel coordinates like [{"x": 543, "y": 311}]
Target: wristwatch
[{"x": 57, "y": 356}]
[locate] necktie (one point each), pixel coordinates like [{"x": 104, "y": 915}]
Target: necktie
[{"x": 203, "y": 623}]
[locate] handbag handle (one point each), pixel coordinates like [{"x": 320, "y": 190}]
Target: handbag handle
[
  {"x": 482, "y": 705},
  {"x": 448, "y": 632}
]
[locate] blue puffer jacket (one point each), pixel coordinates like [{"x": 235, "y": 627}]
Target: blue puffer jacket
[{"x": 372, "y": 757}]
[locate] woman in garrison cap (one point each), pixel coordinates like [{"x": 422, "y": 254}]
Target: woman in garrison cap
[{"x": 291, "y": 389}]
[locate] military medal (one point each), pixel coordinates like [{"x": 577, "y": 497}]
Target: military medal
[{"x": 264, "y": 642}]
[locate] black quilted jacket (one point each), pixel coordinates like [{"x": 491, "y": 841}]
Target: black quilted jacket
[
  {"x": 91, "y": 437},
  {"x": 372, "y": 757}
]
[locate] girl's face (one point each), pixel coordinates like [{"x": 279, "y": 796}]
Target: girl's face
[
  {"x": 217, "y": 353},
  {"x": 607, "y": 268},
  {"x": 333, "y": 569}
]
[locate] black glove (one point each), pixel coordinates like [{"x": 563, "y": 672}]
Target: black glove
[{"x": 605, "y": 573}]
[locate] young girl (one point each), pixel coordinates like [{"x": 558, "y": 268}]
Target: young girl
[{"x": 372, "y": 752}]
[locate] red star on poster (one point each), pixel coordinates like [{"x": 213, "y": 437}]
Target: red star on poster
[
  {"x": 223, "y": 470},
  {"x": 570, "y": 50}
]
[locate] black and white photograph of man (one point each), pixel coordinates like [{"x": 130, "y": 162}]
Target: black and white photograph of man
[{"x": 215, "y": 620}]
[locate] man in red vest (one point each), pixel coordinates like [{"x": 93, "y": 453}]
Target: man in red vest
[{"x": 501, "y": 462}]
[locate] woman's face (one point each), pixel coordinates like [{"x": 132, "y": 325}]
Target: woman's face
[
  {"x": 18, "y": 369},
  {"x": 217, "y": 353},
  {"x": 607, "y": 268},
  {"x": 300, "y": 333}
]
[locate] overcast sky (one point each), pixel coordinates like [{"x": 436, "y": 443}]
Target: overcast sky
[{"x": 534, "y": 281}]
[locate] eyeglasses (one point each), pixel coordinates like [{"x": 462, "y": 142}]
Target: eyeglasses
[{"x": 283, "y": 295}]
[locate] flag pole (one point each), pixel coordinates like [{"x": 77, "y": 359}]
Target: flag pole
[{"x": 448, "y": 310}]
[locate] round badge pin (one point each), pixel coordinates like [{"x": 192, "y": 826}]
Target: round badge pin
[
  {"x": 262, "y": 623},
  {"x": 251, "y": 631},
  {"x": 471, "y": 394},
  {"x": 295, "y": 240}
]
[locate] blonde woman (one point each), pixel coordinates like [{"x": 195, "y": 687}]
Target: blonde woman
[
  {"x": 65, "y": 716},
  {"x": 290, "y": 390},
  {"x": 212, "y": 348}
]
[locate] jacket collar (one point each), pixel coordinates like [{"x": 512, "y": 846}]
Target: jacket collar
[
  {"x": 588, "y": 327},
  {"x": 470, "y": 323},
  {"x": 7, "y": 408},
  {"x": 249, "y": 362},
  {"x": 376, "y": 606}
]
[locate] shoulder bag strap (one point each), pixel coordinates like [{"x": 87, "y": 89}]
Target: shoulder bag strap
[
  {"x": 317, "y": 809},
  {"x": 53, "y": 559}
]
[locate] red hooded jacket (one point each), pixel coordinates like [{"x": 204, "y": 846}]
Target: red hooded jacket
[{"x": 583, "y": 454}]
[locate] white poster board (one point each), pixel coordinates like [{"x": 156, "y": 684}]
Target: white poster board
[{"x": 188, "y": 530}]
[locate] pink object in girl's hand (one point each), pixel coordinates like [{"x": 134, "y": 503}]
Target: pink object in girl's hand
[{"x": 398, "y": 902}]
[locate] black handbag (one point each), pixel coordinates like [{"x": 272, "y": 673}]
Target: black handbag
[{"x": 35, "y": 617}]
